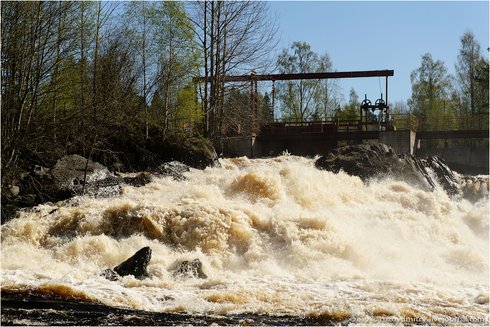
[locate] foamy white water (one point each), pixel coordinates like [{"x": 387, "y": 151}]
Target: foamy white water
[{"x": 276, "y": 236}]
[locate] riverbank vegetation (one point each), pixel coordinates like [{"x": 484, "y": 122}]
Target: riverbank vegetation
[{"x": 94, "y": 77}]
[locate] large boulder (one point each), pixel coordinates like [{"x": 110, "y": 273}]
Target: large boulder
[
  {"x": 379, "y": 160},
  {"x": 375, "y": 160},
  {"x": 194, "y": 152},
  {"x": 62, "y": 181},
  {"x": 72, "y": 172}
]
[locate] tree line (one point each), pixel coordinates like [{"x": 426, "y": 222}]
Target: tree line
[
  {"x": 77, "y": 74},
  {"x": 77, "y": 77},
  {"x": 436, "y": 95}
]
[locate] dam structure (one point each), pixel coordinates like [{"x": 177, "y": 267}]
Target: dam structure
[{"x": 376, "y": 123}]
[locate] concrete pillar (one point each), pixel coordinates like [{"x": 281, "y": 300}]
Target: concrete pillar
[
  {"x": 400, "y": 141},
  {"x": 241, "y": 146}
]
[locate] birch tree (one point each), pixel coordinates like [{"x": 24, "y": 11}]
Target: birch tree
[
  {"x": 236, "y": 37},
  {"x": 304, "y": 100},
  {"x": 431, "y": 87},
  {"x": 31, "y": 52},
  {"x": 471, "y": 81}
]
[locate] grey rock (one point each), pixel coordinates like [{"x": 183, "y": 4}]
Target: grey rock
[
  {"x": 376, "y": 160},
  {"x": 70, "y": 173},
  {"x": 448, "y": 179},
  {"x": 379, "y": 160},
  {"x": 174, "y": 169}
]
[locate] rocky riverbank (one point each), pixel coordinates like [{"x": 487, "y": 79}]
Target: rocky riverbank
[{"x": 73, "y": 175}]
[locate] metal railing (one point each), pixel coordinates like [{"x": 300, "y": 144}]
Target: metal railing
[
  {"x": 405, "y": 122},
  {"x": 443, "y": 123},
  {"x": 400, "y": 121}
]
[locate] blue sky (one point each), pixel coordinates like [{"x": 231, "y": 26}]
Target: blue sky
[{"x": 368, "y": 35}]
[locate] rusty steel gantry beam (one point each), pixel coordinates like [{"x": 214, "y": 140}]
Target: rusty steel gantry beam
[
  {"x": 299, "y": 76},
  {"x": 253, "y": 78}
]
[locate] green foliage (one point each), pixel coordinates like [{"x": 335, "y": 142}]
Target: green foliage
[
  {"x": 237, "y": 105},
  {"x": 166, "y": 52},
  {"x": 266, "y": 110},
  {"x": 482, "y": 85},
  {"x": 471, "y": 87},
  {"x": 188, "y": 113},
  {"x": 304, "y": 100},
  {"x": 441, "y": 104},
  {"x": 430, "y": 91},
  {"x": 350, "y": 111},
  {"x": 72, "y": 78},
  {"x": 35, "y": 36}
]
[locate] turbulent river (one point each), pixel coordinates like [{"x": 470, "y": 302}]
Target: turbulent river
[{"x": 276, "y": 237}]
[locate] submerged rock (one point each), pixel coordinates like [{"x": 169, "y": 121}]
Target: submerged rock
[
  {"x": 135, "y": 265},
  {"x": 379, "y": 160},
  {"x": 192, "y": 268},
  {"x": 475, "y": 188},
  {"x": 174, "y": 169},
  {"x": 138, "y": 180},
  {"x": 110, "y": 275}
]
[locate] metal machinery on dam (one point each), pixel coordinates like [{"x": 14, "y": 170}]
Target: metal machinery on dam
[{"x": 375, "y": 124}]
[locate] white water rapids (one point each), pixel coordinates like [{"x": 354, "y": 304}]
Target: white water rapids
[{"x": 275, "y": 236}]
